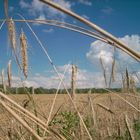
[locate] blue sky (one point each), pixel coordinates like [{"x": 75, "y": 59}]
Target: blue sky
[{"x": 121, "y": 18}]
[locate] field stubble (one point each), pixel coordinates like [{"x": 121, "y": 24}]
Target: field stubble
[{"x": 106, "y": 110}]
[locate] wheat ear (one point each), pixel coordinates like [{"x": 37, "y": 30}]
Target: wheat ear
[
  {"x": 23, "y": 43},
  {"x": 12, "y": 33}
]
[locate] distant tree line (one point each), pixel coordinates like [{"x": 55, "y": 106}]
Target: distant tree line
[{"x": 41, "y": 90}]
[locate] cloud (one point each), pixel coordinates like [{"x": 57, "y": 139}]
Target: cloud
[
  {"x": 85, "y": 79},
  {"x": 133, "y": 42},
  {"x": 40, "y": 10},
  {"x": 48, "y": 30},
  {"x": 107, "y": 10},
  {"x": 24, "y": 4},
  {"x": 99, "y": 49},
  {"x": 86, "y": 2},
  {"x": 41, "y": 17}
]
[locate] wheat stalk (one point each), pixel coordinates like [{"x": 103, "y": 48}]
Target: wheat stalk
[
  {"x": 113, "y": 40},
  {"x": 6, "y": 8},
  {"x": 25, "y": 115},
  {"x": 68, "y": 26},
  {"x": 126, "y": 101},
  {"x": 113, "y": 70},
  {"x": 73, "y": 80},
  {"x": 9, "y": 73},
  {"x": 3, "y": 81},
  {"x": 23, "y": 43},
  {"x": 129, "y": 127},
  {"x": 20, "y": 120},
  {"x": 22, "y": 109},
  {"x": 132, "y": 84},
  {"x": 104, "y": 70},
  {"x": 105, "y": 108},
  {"x": 93, "y": 111},
  {"x": 112, "y": 76},
  {"x": 127, "y": 79}
]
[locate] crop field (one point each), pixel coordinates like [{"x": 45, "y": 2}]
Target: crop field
[
  {"x": 51, "y": 89},
  {"x": 106, "y": 116}
]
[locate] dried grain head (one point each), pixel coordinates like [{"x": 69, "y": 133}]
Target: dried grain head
[
  {"x": 23, "y": 43},
  {"x": 9, "y": 73},
  {"x": 12, "y": 33}
]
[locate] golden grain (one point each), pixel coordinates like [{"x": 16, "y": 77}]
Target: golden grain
[
  {"x": 23, "y": 43},
  {"x": 12, "y": 33}
]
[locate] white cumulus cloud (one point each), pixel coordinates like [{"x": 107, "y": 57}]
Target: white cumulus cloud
[
  {"x": 99, "y": 49},
  {"x": 42, "y": 11},
  {"x": 85, "y": 79}
]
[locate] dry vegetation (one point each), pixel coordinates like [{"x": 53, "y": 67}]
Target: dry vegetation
[
  {"x": 113, "y": 116},
  {"x": 104, "y": 116}
]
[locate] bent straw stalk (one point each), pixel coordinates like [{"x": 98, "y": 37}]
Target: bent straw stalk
[
  {"x": 129, "y": 127},
  {"x": 54, "y": 100},
  {"x": 25, "y": 125},
  {"x": 9, "y": 73},
  {"x": 29, "y": 115},
  {"x": 114, "y": 40},
  {"x": 72, "y": 28},
  {"x": 23, "y": 43},
  {"x": 68, "y": 27},
  {"x": 25, "y": 115},
  {"x": 126, "y": 101},
  {"x": 105, "y": 108},
  {"x": 22, "y": 109}
]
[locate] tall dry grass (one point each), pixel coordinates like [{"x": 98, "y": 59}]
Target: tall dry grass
[
  {"x": 9, "y": 73},
  {"x": 3, "y": 81}
]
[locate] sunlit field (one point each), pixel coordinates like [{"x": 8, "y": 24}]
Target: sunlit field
[{"x": 69, "y": 70}]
